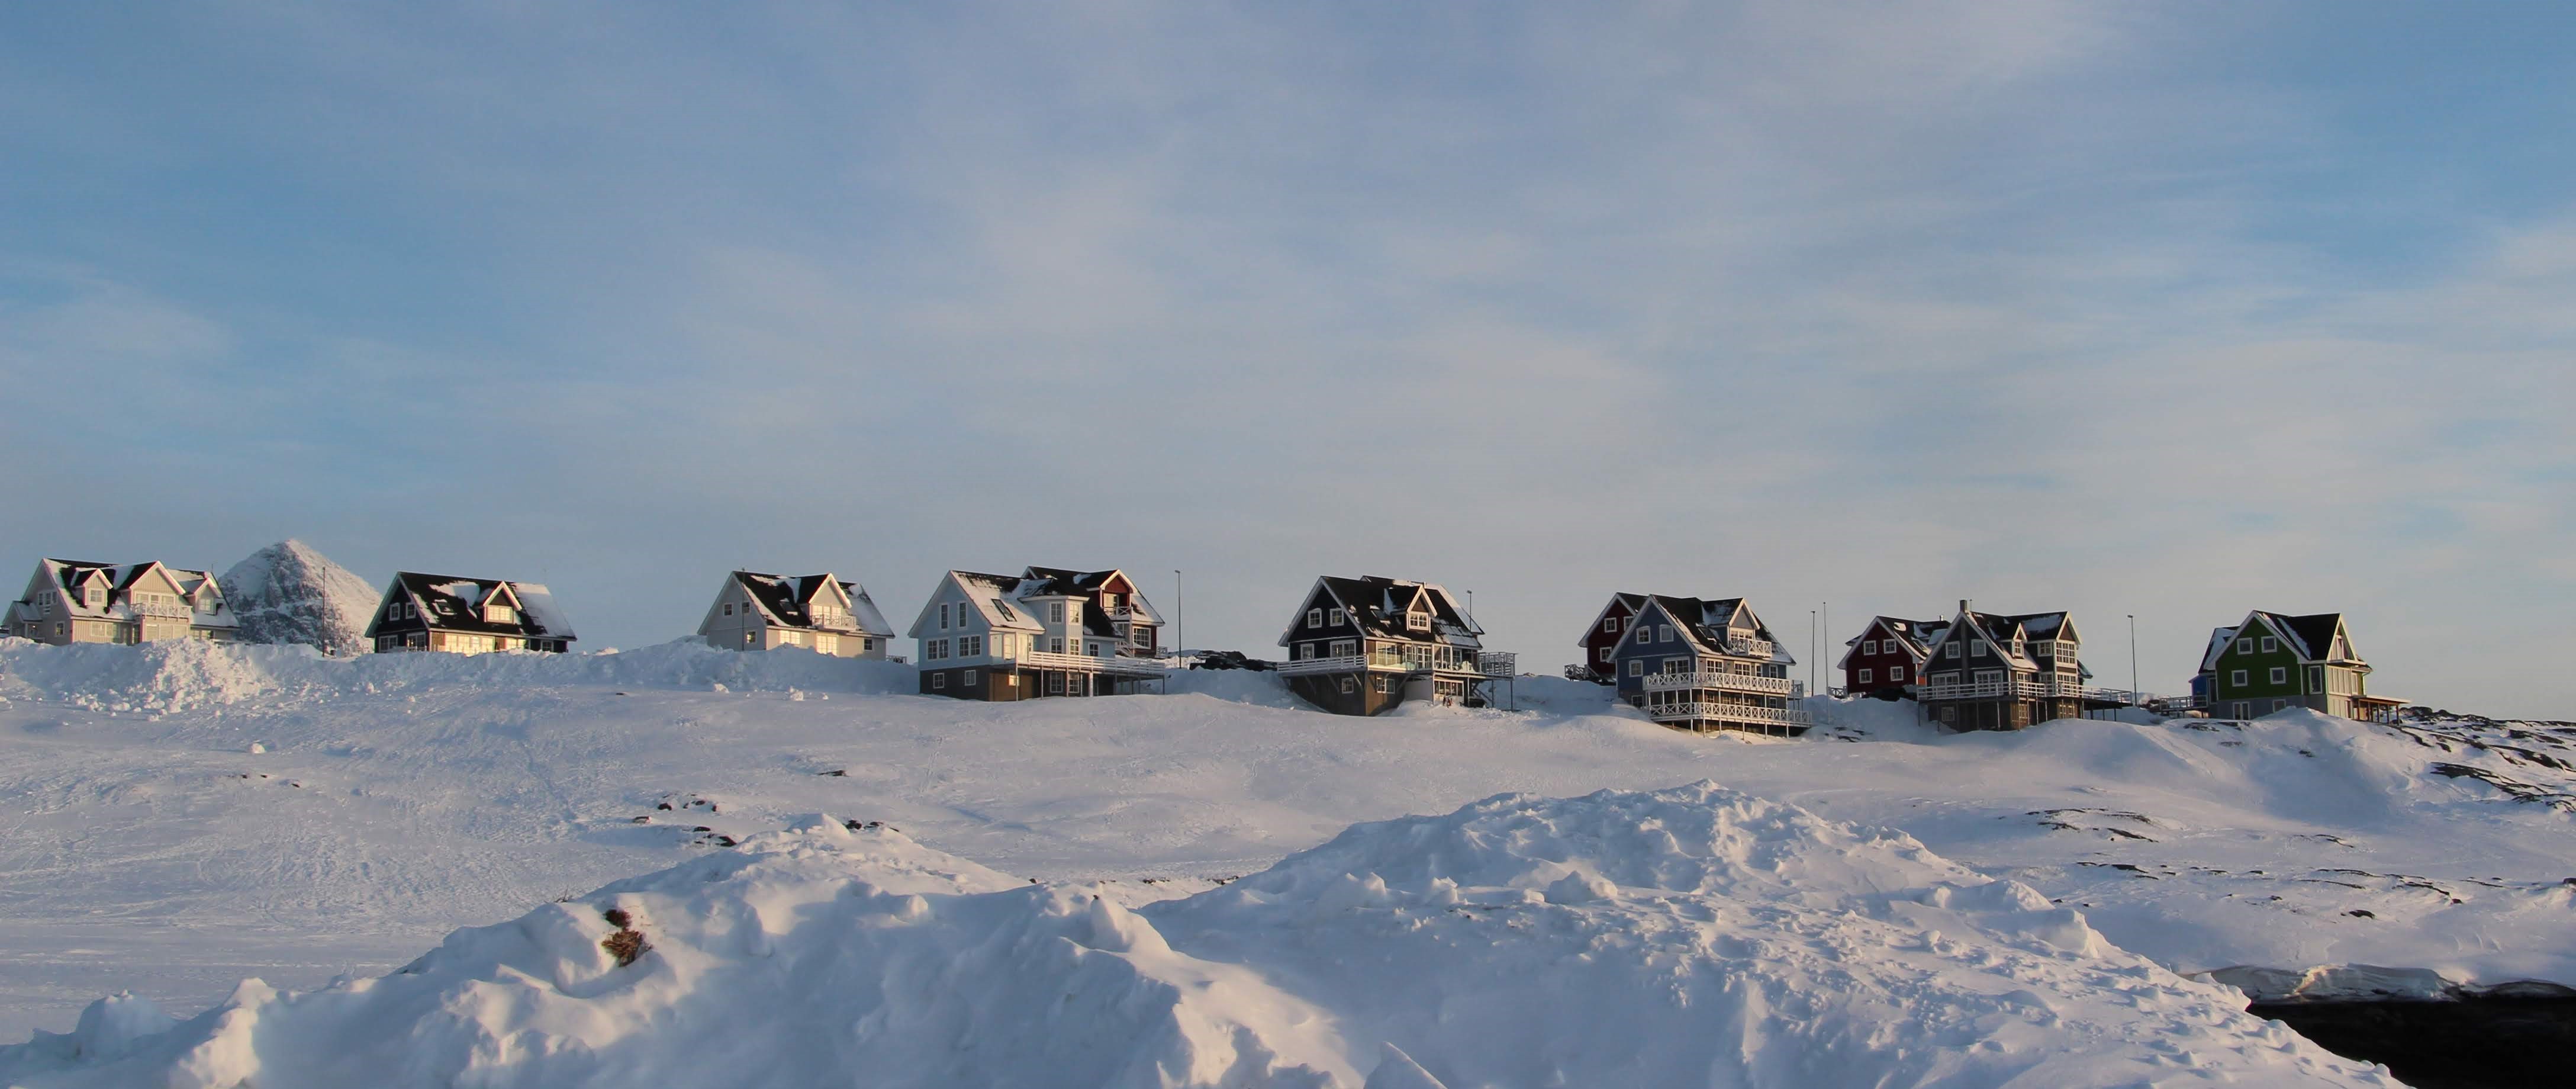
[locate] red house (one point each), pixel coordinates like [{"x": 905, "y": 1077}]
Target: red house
[
  {"x": 1602, "y": 638},
  {"x": 1886, "y": 659}
]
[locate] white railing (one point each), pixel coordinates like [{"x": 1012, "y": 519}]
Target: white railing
[
  {"x": 1498, "y": 663},
  {"x": 154, "y": 608},
  {"x": 1724, "y": 682},
  {"x": 1751, "y": 648},
  {"x": 2020, "y": 688},
  {"x": 1387, "y": 659},
  {"x": 1082, "y": 663},
  {"x": 1730, "y": 712}
]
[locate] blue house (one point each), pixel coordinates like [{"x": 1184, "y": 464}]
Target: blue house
[{"x": 1701, "y": 665}]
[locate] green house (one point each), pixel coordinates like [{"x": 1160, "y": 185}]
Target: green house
[{"x": 2273, "y": 662}]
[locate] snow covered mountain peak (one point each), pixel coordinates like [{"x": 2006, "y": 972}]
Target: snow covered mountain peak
[{"x": 290, "y": 593}]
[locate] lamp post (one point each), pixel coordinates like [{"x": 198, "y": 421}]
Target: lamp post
[
  {"x": 2133, "y": 659},
  {"x": 1180, "y": 645},
  {"x": 1811, "y": 650}
]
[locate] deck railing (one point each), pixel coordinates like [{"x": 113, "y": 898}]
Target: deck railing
[
  {"x": 1724, "y": 682},
  {"x": 1729, "y": 712},
  {"x": 2021, "y": 688}
]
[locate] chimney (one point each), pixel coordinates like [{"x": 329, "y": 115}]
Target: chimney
[{"x": 1963, "y": 604}]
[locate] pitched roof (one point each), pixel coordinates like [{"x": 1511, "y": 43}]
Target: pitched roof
[
  {"x": 1706, "y": 622},
  {"x": 2000, "y": 628},
  {"x": 454, "y": 603},
  {"x": 1377, "y": 605},
  {"x": 1634, "y": 602},
  {"x": 2311, "y": 636},
  {"x": 789, "y": 599},
  {"x": 1917, "y": 635},
  {"x": 118, "y": 602}
]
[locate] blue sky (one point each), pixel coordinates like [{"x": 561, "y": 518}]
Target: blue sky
[{"x": 2175, "y": 310}]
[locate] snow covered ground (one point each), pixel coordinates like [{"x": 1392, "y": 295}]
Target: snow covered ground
[{"x": 174, "y": 818}]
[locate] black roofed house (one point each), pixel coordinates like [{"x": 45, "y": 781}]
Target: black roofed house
[
  {"x": 1997, "y": 671},
  {"x": 1708, "y": 664},
  {"x": 1045, "y": 632},
  {"x": 1362, "y": 646},
  {"x": 69, "y": 601},
  {"x": 467, "y": 616},
  {"x": 1886, "y": 659},
  {"x": 821, "y": 613}
]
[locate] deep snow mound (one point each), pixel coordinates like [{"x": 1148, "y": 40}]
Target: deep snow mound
[
  {"x": 289, "y": 593},
  {"x": 1693, "y": 936},
  {"x": 178, "y": 674}
]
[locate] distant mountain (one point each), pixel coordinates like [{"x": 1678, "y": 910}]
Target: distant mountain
[{"x": 289, "y": 593}]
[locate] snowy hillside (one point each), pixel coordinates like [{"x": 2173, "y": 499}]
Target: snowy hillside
[
  {"x": 1694, "y": 936},
  {"x": 289, "y": 593},
  {"x": 182, "y": 816}
]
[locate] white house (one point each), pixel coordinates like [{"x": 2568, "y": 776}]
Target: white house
[
  {"x": 68, "y": 601},
  {"x": 821, "y": 613},
  {"x": 1046, "y": 632}
]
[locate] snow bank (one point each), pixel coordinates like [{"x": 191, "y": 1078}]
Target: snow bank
[
  {"x": 179, "y": 674},
  {"x": 289, "y": 593},
  {"x": 1694, "y": 936}
]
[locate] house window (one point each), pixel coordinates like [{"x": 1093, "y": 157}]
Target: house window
[
  {"x": 1055, "y": 612},
  {"x": 728, "y": 609},
  {"x": 1645, "y": 633},
  {"x": 968, "y": 677},
  {"x": 970, "y": 646},
  {"x": 1636, "y": 667},
  {"x": 2237, "y": 677},
  {"x": 2280, "y": 675},
  {"x": 1664, "y": 633},
  {"x": 1949, "y": 716},
  {"x": 1055, "y": 646},
  {"x": 2245, "y": 645},
  {"x": 1382, "y": 687},
  {"x": 1610, "y": 625},
  {"x": 1055, "y": 684},
  {"x": 1418, "y": 621},
  {"x": 1869, "y": 646},
  {"x": 1343, "y": 648},
  {"x": 1314, "y": 618},
  {"x": 1338, "y": 617},
  {"x": 943, "y": 616},
  {"x": 1950, "y": 650},
  {"x": 1977, "y": 650},
  {"x": 1865, "y": 677},
  {"x": 1348, "y": 686},
  {"x": 751, "y": 637},
  {"x": 1605, "y": 653},
  {"x": 939, "y": 680},
  {"x": 2316, "y": 678},
  {"x": 2271, "y": 643},
  {"x": 1895, "y": 673},
  {"x": 2280, "y": 705},
  {"x": 867, "y": 644}
]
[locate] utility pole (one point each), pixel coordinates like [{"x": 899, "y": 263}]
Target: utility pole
[
  {"x": 1180, "y": 645},
  {"x": 1828, "y": 630},
  {"x": 1811, "y": 650}
]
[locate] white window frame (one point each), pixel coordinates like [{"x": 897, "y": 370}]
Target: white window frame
[
  {"x": 1636, "y": 667},
  {"x": 1314, "y": 618},
  {"x": 939, "y": 680},
  {"x": 1865, "y": 677},
  {"x": 1335, "y": 617},
  {"x": 2271, "y": 644},
  {"x": 1896, "y": 674},
  {"x": 2280, "y": 674},
  {"x": 966, "y": 678},
  {"x": 2238, "y": 677},
  {"x": 1663, "y": 633},
  {"x": 1609, "y": 625}
]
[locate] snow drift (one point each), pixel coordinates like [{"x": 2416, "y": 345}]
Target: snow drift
[
  {"x": 1694, "y": 936},
  {"x": 177, "y": 675},
  {"x": 289, "y": 593}
]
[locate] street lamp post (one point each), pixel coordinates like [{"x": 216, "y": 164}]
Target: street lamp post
[
  {"x": 2134, "y": 697},
  {"x": 1180, "y": 644}
]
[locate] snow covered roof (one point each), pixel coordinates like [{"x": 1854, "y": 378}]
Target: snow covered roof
[
  {"x": 1708, "y": 621},
  {"x": 789, "y": 600},
  {"x": 1378, "y": 606},
  {"x": 453, "y": 603},
  {"x": 119, "y": 585},
  {"x": 1090, "y": 585},
  {"x": 1917, "y": 636},
  {"x": 2311, "y": 636}
]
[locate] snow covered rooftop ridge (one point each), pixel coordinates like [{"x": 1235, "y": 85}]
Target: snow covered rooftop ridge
[
  {"x": 455, "y": 602},
  {"x": 1694, "y": 936}
]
